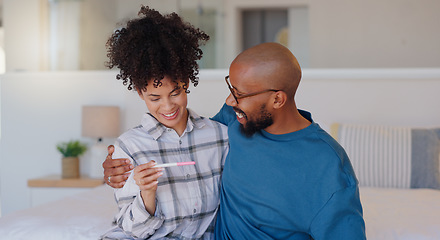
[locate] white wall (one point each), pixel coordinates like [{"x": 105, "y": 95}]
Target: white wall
[
  {"x": 398, "y": 97},
  {"x": 41, "y": 109}
]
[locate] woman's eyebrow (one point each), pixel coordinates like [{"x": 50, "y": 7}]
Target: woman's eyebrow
[
  {"x": 175, "y": 89},
  {"x": 157, "y": 95}
]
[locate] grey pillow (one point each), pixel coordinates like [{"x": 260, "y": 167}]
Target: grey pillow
[{"x": 390, "y": 156}]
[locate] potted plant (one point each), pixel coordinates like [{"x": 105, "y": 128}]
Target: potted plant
[{"x": 71, "y": 151}]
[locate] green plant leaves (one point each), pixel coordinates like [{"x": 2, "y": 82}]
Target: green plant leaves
[{"x": 71, "y": 148}]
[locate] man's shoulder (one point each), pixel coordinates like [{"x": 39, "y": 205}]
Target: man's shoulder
[
  {"x": 336, "y": 156},
  {"x": 329, "y": 141}
]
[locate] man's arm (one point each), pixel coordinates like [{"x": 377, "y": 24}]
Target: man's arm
[
  {"x": 225, "y": 115},
  {"x": 340, "y": 218},
  {"x": 116, "y": 171}
]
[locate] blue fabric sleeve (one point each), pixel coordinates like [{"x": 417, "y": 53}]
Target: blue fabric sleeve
[
  {"x": 226, "y": 115},
  {"x": 340, "y": 221}
]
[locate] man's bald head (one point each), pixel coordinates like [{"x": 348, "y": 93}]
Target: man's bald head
[{"x": 275, "y": 65}]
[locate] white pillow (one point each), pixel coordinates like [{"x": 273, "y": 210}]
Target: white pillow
[{"x": 390, "y": 156}]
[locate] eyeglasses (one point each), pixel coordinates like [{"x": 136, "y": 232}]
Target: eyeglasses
[{"x": 247, "y": 94}]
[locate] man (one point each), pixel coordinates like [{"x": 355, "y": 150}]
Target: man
[{"x": 285, "y": 177}]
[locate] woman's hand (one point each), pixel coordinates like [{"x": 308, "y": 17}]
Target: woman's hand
[{"x": 146, "y": 177}]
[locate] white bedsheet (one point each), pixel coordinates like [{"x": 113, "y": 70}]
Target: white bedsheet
[
  {"x": 86, "y": 215},
  {"x": 403, "y": 214}
]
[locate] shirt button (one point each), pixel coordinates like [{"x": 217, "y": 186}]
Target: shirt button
[
  {"x": 187, "y": 176},
  {"x": 180, "y": 141},
  {"x": 195, "y": 210}
]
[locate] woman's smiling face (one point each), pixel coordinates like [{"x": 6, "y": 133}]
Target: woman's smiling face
[{"x": 167, "y": 103}]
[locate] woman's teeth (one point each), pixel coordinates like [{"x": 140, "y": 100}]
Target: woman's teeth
[{"x": 171, "y": 114}]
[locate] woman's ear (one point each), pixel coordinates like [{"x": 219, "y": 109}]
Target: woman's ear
[
  {"x": 140, "y": 93},
  {"x": 279, "y": 99}
]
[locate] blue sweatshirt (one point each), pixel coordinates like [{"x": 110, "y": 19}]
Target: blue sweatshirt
[{"x": 290, "y": 186}]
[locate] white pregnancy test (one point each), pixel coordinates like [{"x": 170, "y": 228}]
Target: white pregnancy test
[{"x": 174, "y": 164}]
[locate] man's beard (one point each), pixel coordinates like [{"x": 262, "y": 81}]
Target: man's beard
[{"x": 262, "y": 121}]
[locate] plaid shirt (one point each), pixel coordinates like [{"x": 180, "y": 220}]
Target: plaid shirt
[{"x": 187, "y": 197}]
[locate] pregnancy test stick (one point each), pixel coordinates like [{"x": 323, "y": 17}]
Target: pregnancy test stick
[{"x": 174, "y": 164}]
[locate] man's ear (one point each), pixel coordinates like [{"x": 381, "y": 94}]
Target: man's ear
[{"x": 279, "y": 100}]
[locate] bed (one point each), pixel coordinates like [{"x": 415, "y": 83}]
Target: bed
[
  {"x": 404, "y": 214},
  {"x": 85, "y": 215}
]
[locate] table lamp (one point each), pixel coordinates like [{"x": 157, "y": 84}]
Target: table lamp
[{"x": 99, "y": 122}]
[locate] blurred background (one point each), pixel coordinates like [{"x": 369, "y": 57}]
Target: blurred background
[{"x": 44, "y": 35}]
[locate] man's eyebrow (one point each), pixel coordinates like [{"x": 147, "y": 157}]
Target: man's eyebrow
[
  {"x": 236, "y": 90},
  {"x": 233, "y": 87}
]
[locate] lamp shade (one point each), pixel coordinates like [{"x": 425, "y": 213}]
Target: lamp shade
[{"x": 100, "y": 121}]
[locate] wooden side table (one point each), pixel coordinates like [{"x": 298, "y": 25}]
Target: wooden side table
[{"x": 53, "y": 187}]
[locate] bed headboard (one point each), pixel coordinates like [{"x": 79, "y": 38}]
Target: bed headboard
[{"x": 41, "y": 109}]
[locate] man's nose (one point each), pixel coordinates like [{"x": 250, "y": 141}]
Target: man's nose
[{"x": 230, "y": 100}]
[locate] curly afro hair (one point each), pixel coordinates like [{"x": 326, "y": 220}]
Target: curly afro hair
[{"x": 154, "y": 46}]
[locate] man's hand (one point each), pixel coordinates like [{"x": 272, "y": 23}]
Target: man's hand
[{"x": 116, "y": 170}]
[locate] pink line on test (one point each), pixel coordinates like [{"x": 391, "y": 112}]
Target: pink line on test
[{"x": 185, "y": 163}]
